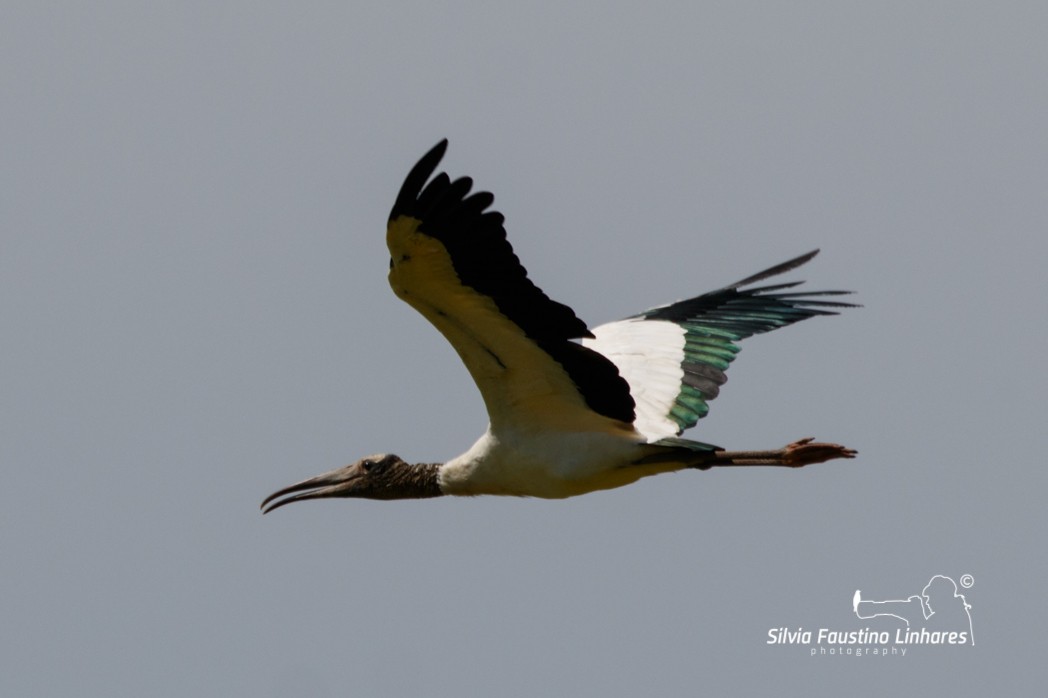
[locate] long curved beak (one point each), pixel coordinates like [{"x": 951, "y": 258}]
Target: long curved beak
[{"x": 341, "y": 482}]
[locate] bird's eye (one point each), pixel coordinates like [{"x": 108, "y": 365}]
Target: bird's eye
[{"x": 367, "y": 465}]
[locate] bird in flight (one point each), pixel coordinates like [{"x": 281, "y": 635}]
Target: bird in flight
[{"x": 571, "y": 410}]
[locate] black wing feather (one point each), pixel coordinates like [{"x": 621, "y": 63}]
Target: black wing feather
[{"x": 484, "y": 260}]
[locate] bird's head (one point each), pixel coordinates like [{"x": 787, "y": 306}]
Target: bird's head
[{"x": 382, "y": 476}]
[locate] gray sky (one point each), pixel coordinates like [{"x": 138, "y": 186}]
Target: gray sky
[{"x": 195, "y": 313}]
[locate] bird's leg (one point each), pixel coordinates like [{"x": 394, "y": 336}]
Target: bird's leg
[{"x": 796, "y": 455}]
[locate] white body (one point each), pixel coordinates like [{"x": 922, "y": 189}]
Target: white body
[{"x": 552, "y": 465}]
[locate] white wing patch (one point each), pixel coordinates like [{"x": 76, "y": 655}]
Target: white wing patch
[{"x": 648, "y": 354}]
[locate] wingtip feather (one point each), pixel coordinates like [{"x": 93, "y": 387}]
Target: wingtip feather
[
  {"x": 780, "y": 268},
  {"x": 417, "y": 178}
]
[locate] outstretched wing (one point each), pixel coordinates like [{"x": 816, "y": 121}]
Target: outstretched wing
[
  {"x": 450, "y": 260},
  {"x": 674, "y": 356}
]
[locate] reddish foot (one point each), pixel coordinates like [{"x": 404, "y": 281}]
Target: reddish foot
[{"x": 808, "y": 451}]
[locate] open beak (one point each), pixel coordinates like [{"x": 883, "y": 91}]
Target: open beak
[{"x": 340, "y": 482}]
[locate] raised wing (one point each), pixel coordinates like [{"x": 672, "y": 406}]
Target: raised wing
[
  {"x": 674, "y": 356},
  {"x": 450, "y": 260}
]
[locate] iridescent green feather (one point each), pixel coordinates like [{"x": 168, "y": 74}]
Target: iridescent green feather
[{"x": 715, "y": 321}]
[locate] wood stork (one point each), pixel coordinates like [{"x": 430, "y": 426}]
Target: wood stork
[{"x": 566, "y": 417}]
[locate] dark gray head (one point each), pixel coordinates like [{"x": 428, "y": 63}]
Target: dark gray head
[{"x": 382, "y": 476}]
